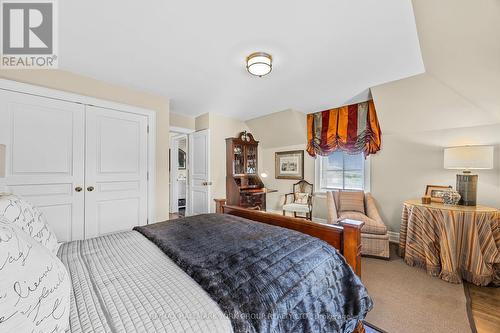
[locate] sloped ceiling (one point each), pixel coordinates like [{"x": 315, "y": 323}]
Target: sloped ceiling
[
  {"x": 193, "y": 52},
  {"x": 460, "y": 43}
]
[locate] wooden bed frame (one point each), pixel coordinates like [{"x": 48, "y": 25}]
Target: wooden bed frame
[{"x": 345, "y": 237}]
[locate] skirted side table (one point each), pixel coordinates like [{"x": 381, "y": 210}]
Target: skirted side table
[{"x": 452, "y": 242}]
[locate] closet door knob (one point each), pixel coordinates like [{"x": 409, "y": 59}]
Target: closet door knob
[
  {"x": 78, "y": 189},
  {"x": 90, "y": 188}
]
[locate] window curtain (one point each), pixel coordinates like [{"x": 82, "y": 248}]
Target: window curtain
[{"x": 352, "y": 128}]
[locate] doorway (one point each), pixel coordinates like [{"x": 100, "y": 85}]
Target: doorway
[{"x": 179, "y": 173}]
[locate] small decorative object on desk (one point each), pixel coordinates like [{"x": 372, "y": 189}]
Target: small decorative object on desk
[
  {"x": 426, "y": 200},
  {"x": 451, "y": 197}
]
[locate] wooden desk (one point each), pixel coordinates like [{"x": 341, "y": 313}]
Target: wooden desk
[{"x": 452, "y": 242}]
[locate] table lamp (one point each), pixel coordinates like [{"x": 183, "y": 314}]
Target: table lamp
[{"x": 468, "y": 158}]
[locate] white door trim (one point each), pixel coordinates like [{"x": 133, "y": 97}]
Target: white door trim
[
  {"x": 30, "y": 89},
  {"x": 181, "y": 130},
  {"x": 174, "y": 166}
]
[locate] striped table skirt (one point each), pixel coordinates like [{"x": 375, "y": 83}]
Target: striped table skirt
[{"x": 453, "y": 244}]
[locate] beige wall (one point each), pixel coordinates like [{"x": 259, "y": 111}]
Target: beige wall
[
  {"x": 202, "y": 122},
  {"x": 74, "y": 83},
  {"x": 221, "y": 127},
  {"x": 408, "y": 162},
  {"x": 179, "y": 120},
  {"x": 277, "y": 132},
  {"x": 274, "y": 201},
  {"x": 401, "y": 170}
]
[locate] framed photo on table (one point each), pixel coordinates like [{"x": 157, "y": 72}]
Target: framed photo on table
[
  {"x": 436, "y": 192},
  {"x": 289, "y": 164}
]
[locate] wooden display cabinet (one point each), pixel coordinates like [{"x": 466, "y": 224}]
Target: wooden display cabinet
[{"x": 244, "y": 188}]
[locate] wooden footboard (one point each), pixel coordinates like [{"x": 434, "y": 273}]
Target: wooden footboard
[{"x": 345, "y": 237}]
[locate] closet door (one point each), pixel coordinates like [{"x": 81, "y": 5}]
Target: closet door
[
  {"x": 45, "y": 153},
  {"x": 115, "y": 171}
]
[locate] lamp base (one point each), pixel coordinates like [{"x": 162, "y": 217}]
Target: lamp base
[{"x": 467, "y": 187}]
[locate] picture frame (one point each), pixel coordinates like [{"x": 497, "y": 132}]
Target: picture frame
[
  {"x": 436, "y": 192},
  {"x": 289, "y": 165}
]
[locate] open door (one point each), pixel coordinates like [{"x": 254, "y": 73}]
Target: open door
[
  {"x": 199, "y": 189},
  {"x": 174, "y": 165}
]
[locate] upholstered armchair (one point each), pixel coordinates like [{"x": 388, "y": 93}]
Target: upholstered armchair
[
  {"x": 360, "y": 206},
  {"x": 300, "y": 200}
]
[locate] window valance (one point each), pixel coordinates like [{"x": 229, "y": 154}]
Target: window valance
[{"x": 352, "y": 128}]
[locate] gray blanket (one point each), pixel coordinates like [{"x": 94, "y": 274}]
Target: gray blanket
[{"x": 265, "y": 278}]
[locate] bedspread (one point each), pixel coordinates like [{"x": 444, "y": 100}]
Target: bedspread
[{"x": 265, "y": 278}]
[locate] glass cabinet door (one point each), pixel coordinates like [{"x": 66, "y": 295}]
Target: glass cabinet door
[
  {"x": 238, "y": 160},
  {"x": 251, "y": 159}
]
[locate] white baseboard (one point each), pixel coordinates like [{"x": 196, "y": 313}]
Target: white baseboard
[{"x": 393, "y": 236}]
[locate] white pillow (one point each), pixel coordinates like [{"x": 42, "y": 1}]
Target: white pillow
[
  {"x": 29, "y": 218},
  {"x": 34, "y": 285}
]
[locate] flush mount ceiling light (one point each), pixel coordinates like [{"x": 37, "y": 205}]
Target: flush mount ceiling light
[{"x": 259, "y": 64}]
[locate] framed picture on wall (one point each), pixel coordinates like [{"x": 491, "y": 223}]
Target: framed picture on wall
[
  {"x": 289, "y": 164},
  {"x": 436, "y": 192}
]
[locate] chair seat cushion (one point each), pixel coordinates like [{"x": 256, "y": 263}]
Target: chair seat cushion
[
  {"x": 371, "y": 226},
  {"x": 293, "y": 207}
]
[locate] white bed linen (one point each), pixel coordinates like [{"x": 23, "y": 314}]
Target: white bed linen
[{"x": 123, "y": 283}]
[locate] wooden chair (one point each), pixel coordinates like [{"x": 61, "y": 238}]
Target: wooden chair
[{"x": 300, "y": 200}]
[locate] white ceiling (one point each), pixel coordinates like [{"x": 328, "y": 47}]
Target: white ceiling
[{"x": 326, "y": 52}]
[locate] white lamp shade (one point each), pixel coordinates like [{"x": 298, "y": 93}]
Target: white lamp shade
[
  {"x": 468, "y": 157},
  {"x": 2, "y": 161}
]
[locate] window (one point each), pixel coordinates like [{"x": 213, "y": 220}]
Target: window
[{"x": 343, "y": 171}]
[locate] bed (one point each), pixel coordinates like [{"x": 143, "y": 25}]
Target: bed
[{"x": 218, "y": 273}]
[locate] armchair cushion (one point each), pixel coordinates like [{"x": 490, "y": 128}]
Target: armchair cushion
[
  {"x": 371, "y": 226},
  {"x": 294, "y": 207},
  {"x": 301, "y": 198},
  {"x": 371, "y": 208},
  {"x": 352, "y": 201},
  {"x": 331, "y": 205}
]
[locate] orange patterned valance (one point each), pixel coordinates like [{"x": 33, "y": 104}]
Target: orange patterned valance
[{"x": 352, "y": 128}]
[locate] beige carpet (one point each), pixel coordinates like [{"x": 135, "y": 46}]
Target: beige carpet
[{"x": 408, "y": 300}]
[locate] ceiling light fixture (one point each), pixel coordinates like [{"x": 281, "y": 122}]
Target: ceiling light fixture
[{"x": 259, "y": 64}]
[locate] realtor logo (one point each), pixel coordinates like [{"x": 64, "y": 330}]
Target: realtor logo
[{"x": 28, "y": 34}]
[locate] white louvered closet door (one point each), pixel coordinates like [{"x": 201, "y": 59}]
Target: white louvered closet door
[
  {"x": 116, "y": 193},
  {"x": 45, "y": 157}
]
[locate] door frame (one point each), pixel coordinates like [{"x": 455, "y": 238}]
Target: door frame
[
  {"x": 30, "y": 89},
  {"x": 189, "y": 208},
  {"x": 174, "y": 165},
  {"x": 180, "y": 132}
]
